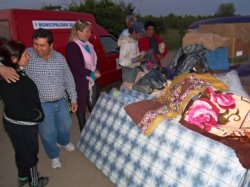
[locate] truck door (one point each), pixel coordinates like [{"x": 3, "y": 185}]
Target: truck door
[{"x": 107, "y": 51}]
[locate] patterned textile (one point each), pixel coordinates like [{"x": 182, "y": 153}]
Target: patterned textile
[
  {"x": 222, "y": 114},
  {"x": 171, "y": 156},
  {"x": 131, "y": 96},
  {"x": 52, "y": 77},
  {"x": 184, "y": 87},
  {"x": 148, "y": 114}
]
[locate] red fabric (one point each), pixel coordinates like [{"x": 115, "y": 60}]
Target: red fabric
[{"x": 144, "y": 44}]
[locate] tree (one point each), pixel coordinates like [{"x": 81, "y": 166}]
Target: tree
[
  {"x": 225, "y": 9},
  {"x": 52, "y": 7},
  {"x": 108, "y": 14}
]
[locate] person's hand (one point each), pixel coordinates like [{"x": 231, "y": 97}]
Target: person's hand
[
  {"x": 9, "y": 74},
  {"x": 139, "y": 58},
  {"x": 97, "y": 74},
  {"x": 73, "y": 107},
  {"x": 162, "y": 47},
  {"x": 142, "y": 53}
]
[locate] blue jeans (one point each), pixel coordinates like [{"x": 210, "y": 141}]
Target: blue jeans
[{"x": 56, "y": 126}]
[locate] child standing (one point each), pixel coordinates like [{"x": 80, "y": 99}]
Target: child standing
[{"x": 22, "y": 113}]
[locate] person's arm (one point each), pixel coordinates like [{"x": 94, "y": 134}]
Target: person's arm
[
  {"x": 8, "y": 73},
  {"x": 70, "y": 87},
  {"x": 166, "y": 49},
  {"x": 69, "y": 83},
  {"x": 124, "y": 57},
  {"x": 76, "y": 61},
  {"x": 69, "y": 79}
]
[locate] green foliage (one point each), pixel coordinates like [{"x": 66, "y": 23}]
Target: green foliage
[
  {"x": 52, "y": 7},
  {"x": 107, "y": 13},
  {"x": 111, "y": 15},
  {"x": 225, "y": 9},
  {"x": 173, "y": 38}
]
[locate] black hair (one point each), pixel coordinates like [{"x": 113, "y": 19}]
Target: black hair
[
  {"x": 11, "y": 49},
  {"x": 43, "y": 33},
  {"x": 149, "y": 23}
]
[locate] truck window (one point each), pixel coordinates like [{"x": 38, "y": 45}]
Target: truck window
[
  {"x": 109, "y": 44},
  {"x": 4, "y": 29}
]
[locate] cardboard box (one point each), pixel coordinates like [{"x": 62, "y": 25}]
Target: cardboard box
[
  {"x": 238, "y": 30},
  {"x": 239, "y": 50},
  {"x": 239, "y": 34}
]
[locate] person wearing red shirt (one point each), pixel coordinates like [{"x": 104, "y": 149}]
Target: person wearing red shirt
[{"x": 153, "y": 41}]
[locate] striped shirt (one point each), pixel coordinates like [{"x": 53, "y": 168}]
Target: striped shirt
[{"x": 52, "y": 77}]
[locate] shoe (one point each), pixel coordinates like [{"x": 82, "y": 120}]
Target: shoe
[
  {"x": 68, "y": 147},
  {"x": 22, "y": 183},
  {"x": 42, "y": 181},
  {"x": 55, "y": 163}
]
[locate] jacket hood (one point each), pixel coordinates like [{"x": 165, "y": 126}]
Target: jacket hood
[{"x": 126, "y": 39}]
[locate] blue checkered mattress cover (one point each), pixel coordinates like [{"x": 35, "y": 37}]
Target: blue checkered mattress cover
[{"x": 171, "y": 156}]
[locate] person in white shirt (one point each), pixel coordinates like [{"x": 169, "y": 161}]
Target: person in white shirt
[{"x": 130, "y": 57}]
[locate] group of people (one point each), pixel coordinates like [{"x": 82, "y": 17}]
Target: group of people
[
  {"x": 135, "y": 41},
  {"x": 34, "y": 85}
]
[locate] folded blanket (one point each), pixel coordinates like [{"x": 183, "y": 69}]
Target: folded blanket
[
  {"x": 147, "y": 114},
  {"x": 222, "y": 114},
  {"x": 224, "y": 117}
]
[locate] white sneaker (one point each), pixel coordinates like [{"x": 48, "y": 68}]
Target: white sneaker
[
  {"x": 68, "y": 147},
  {"x": 55, "y": 163}
]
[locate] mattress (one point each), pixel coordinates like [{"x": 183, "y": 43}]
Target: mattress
[{"x": 171, "y": 156}]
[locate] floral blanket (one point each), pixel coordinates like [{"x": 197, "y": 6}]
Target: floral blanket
[
  {"x": 223, "y": 117},
  {"x": 222, "y": 114},
  {"x": 148, "y": 114}
]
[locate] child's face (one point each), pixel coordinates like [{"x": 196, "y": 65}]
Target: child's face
[
  {"x": 150, "y": 31},
  {"x": 24, "y": 59}
]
